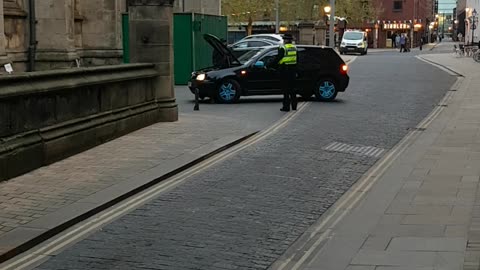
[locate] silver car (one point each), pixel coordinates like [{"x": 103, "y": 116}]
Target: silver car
[
  {"x": 278, "y": 39},
  {"x": 244, "y": 46}
]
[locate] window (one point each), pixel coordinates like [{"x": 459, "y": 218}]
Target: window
[
  {"x": 397, "y": 5},
  {"x": 241, "y": 45},
  {"x": 257, "y": 44},
  {"x": 269, "y": 58}
]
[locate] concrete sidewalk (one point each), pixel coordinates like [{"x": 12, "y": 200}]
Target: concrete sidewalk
[{"x": 422, "y": 211}]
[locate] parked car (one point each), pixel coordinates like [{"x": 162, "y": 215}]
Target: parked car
[
  {"x": 242, "y": 47},
  {"x": 278, "y": 39},
  {"x": 321, "y": 72},
  {"x": 354, "y": 42}
]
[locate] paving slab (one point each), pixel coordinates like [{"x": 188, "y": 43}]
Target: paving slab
[
  {"x": 428, "y": 244},
  {"x": 431, "y": 193}
]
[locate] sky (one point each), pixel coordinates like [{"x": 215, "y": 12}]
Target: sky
[{"x": 446, "y": 6}]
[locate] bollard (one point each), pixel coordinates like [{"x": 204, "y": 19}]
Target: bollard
[{"x": 197, "y": 103}]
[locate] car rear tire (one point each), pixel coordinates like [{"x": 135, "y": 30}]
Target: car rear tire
[
  {"x": 326, "y": 89},
  {"x": 228, "y": 92}
]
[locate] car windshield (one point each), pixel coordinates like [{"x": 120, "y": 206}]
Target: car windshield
[
  {"x": 353, "y": 36},
  {"x": 249, "y": 56}
]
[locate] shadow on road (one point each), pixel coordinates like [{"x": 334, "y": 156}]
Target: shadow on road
[{"x": 267, "y": 100}]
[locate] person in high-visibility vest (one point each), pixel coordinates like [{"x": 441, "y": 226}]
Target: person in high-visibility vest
[{"x": 287, "y": 53}]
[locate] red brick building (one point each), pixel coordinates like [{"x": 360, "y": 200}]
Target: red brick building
[{"x": 411, "y": 17}]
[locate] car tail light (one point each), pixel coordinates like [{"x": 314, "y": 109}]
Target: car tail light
[{"x": 344, "y": 69}]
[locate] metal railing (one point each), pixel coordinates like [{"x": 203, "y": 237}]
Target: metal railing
[{"x": 461, "y": 50}]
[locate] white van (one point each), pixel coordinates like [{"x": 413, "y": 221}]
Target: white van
[{"x": 354, "y": 42}]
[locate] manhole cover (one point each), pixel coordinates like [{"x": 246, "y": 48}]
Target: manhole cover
[{"x": 369, "y": 151}]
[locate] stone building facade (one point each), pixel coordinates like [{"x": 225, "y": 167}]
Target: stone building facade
[
  {"x": 65, "y": 31},
  {"x": 409, "y": 17},
  {"x": 211, "y": 7}
]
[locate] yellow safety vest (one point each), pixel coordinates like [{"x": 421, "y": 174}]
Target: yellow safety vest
[{"x": 290, "y": 57}]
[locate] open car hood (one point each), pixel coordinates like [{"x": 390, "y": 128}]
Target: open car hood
[{"x": 222, "y": 49}]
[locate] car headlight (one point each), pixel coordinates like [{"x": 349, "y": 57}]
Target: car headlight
[
  {"x": 360, "y": 44},
  {"x": 343, "y": 44},
  {"x": 201, "y": 77}
]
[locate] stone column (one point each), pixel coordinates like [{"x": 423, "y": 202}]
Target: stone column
[
  {"x": 306, "y": 31},
  {"x": 3, "y": 53},
  {"x": 55, "y": 34},
  {"x": 151, "y": 41}
]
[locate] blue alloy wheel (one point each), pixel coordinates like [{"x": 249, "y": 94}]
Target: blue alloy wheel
[
  {"x": 228, "y": 92},
  {"x": 326, "y": 90}
]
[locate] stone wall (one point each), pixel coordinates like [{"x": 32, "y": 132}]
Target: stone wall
[
  {"x": 66, "y": 30},
  {"x": 211, "y": 7},
  {"x": 13, "y": 34},
  {"x": 46, "y": 116}
]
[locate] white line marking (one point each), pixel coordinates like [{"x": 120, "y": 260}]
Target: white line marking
[
  {"x": 437, "y": 65},
  {"x": 353, "y": 59},
  {"x": 358, "y": 192},
  {"x": 355, "y": 195},
  {"x": 338, "y": 147},
  {"x": 134, "y": 202}
]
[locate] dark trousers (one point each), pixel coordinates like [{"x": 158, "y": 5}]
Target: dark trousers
[{"x": 288, "y": 76}]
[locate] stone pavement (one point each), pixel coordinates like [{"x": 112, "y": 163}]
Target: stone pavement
[
  {"x": 424, "y": 211},
  {"x": 38, "y": 201}
]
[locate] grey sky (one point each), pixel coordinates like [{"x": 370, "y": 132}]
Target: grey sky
[{"x": 446, "y": 6}]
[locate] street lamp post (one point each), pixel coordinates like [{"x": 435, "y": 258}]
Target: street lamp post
[
  {"x": 331, "y": 29},
  {"x": 474, "y": 17},
  {"x": 443, "y": 25},
  {"x": 277, "y": 17},
  {"x": 326, "y": 11}
]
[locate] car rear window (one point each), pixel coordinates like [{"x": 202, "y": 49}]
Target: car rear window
[{"x": 318, "y": 56}]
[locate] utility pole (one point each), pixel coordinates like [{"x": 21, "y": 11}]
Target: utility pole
[
  {"x": 443, "y": 25},
  {"x": 474, "y": 26},
  {"x": 332, "y": 25},
  {"x": 277, "y": 17}
]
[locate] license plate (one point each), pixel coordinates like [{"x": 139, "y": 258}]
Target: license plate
[
  {"x": 189, "y": 84},
  {"x": 351, "y": 49}
]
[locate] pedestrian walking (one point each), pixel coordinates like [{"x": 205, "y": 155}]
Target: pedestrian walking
[
  {"x": 394, "y": 40},
  {"x": 287, "y": 60},
  {"x": 403, "y": 41},
  {"x": 397, "y": 41},
  {"x": 407, "y": 44}
]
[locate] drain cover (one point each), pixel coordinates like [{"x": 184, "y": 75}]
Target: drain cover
[{"x": 353, "y": 149}]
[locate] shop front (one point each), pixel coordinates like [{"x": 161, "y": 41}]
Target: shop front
[{"x": 388, "y": 31}]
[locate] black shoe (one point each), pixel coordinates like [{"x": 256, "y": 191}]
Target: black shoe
[{"x": 284, "y": 110}]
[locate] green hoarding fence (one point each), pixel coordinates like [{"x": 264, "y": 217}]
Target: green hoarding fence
[{"x": 191, "y": 51}]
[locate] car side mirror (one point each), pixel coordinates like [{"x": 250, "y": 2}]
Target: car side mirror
[{"x": 259, "y": 64}]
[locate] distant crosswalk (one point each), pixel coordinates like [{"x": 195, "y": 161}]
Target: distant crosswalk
[{"x": 357, "y": 150}]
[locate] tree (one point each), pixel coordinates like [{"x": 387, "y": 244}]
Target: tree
[
  {"x": 246, "y": 10},
  {"x": 358, "y": 12},
  {"x": 250, "y": 10}
]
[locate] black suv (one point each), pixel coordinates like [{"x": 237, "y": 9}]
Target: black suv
[{"x": 321, "y": 72}]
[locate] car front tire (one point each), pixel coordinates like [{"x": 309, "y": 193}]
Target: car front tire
[
  {"x": 228, "y": 92},
  {"x": 326, "y": 89}
]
